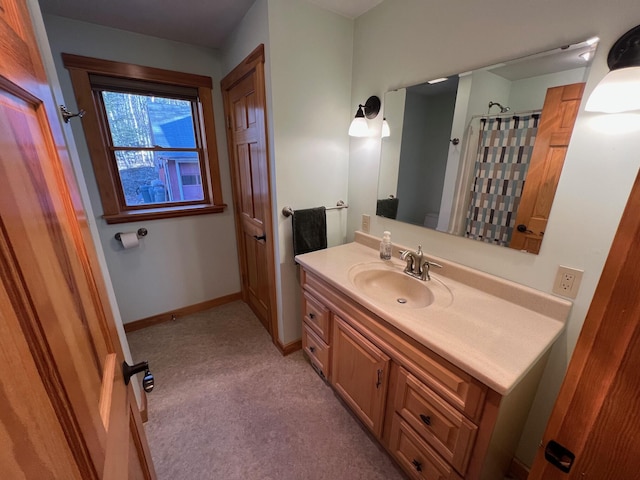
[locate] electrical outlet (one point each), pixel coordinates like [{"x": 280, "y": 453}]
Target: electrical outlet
[
  {"x": 567, "y": 281},
  {"x": 366, "y": 223}
]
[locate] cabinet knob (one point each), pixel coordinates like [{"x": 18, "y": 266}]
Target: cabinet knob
[
  {"x": 312, "y": 349},
  {"x": 426, "y": 419},
  {"x": 417, "y": 464},
  {"x": 312, "y": 315}
]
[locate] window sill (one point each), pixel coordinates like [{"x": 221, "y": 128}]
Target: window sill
[{"x": 166, "y": 212}]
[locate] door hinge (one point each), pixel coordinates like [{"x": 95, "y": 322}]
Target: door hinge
[{"x": 229, "y": 122}]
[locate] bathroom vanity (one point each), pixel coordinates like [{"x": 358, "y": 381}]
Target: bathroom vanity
[{"x": 443, "y": 378}]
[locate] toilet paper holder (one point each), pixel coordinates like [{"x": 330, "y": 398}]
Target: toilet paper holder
[{"x": 142, "y": 232}]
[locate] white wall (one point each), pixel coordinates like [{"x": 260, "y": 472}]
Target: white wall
[
  {"x": 311, "y": 63},
  {"x": 182, "y": 261},
  {"x": 251, "y": 32},
  {"x": 400, "y": 42},
  {"x": 309, "y": 101},
  {"x": 485, "y": 87},
  {"x": 529, "y": 93}
]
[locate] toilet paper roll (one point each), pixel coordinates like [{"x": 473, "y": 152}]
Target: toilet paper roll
[{"x": 129, "y": 240}]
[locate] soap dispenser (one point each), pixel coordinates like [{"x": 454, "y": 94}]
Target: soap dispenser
[{"x": 385, "y": 246}]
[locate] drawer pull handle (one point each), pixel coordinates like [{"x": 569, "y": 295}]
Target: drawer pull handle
[
  {"x": 312, "y": 315},
  {"x": 426, "y": 419},
  {"x": 417, "y": 464},
  {"x": 312, "y": 349},
  {"x": 379, "y": 381}
]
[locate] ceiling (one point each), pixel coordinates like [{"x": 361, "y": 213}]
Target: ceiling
[{"x": 198, "y": 22}]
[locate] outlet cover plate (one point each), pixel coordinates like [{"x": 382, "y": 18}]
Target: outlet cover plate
[
  {"x": 366, "y": 223},
  {"x": 567, "y": 281}
]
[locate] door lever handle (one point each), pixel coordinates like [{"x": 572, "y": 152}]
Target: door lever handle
[
  {"x": 148, "y": 382},
  {"x": 522, "y": 228},
  {"x": 261, "y": 237}
]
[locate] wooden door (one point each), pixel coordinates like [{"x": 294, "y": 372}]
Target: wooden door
[
  {"x": 245, "y": 107},
  {"x": 360, "y": 373},
  {"x": 559, "y": 114},
  {"x": 597, "y": 413},
  {"x": 65, "y": 412}
]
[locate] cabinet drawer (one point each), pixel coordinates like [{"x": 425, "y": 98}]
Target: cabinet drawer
[
  {"x": 419, "y": 460},
  {"x": 316, "y": 349},
  {"x": 449, "y": 432},
  {"x": 316, "y": 316}
]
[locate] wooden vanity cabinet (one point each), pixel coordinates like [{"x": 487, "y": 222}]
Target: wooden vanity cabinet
[{"x": 437, "y": 421}]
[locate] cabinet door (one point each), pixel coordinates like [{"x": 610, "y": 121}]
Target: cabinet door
[{"x": 360, "y": 373}]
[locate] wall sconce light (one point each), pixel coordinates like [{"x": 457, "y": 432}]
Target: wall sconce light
[
  {"x": 619, "y": 90},
  {"x": 386, "y": 131},
  {"x": 359, "y": 126}
]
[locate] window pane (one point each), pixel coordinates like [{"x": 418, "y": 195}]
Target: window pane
[
  {"x": 191, "y": 179},
  {"x": 147, "y": 121},
  {"x": 158, "y": 177}
]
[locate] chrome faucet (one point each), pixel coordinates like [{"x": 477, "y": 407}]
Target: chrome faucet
[{"x": 417, "y": 265}]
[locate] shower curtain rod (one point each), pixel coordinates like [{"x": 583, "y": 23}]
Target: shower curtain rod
[{"x": 510, "y": 114}]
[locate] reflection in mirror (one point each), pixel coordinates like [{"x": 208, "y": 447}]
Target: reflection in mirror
[{"x": 461, "y": 149}]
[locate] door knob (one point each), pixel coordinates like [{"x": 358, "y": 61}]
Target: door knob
[
  {"x": 148, "y": 382},
  {"x": 128, "y": 371},
  {"x": 261, "y": 237}
]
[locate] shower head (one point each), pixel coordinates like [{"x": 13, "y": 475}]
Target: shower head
[{"x": 502, "y": 109}]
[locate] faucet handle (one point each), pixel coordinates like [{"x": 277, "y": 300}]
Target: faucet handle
[{"x": 434, "y": 264}]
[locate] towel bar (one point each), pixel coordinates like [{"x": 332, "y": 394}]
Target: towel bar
[{"x": 288, "y": 211}]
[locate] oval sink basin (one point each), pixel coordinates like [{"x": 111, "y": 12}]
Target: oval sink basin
[{"x": 388, "y": 284}]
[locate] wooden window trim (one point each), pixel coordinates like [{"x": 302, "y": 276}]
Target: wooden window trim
[{"x": 114, "y": 211}]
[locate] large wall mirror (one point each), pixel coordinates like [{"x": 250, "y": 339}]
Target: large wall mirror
[{"x": 479, "y": 154}]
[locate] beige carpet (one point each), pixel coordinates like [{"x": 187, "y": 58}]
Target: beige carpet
[{"x": 228, "y": 406}]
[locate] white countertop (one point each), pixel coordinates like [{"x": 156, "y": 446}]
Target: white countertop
[{"x": 495, "y": 332}]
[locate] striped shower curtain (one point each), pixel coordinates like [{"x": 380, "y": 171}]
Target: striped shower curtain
[{"x": 504, "y": 152}]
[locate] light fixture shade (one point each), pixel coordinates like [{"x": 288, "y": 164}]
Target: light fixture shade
[
  {"x": 618, "y": 91},
  {"x": 386, "y": 131},
  {"x": 359, "y": 127}
]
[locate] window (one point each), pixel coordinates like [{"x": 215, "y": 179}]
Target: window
[{"x": 151, "y": 138}]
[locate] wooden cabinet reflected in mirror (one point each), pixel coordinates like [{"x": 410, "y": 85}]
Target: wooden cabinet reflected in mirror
[{"x": 462, "y": 150}]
